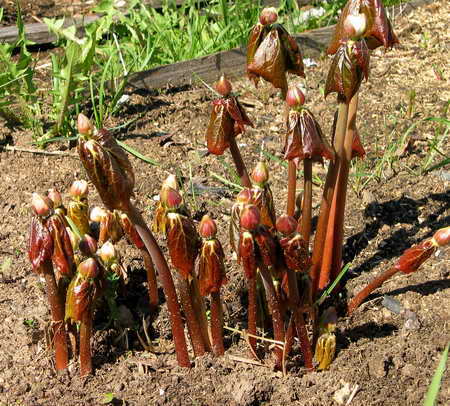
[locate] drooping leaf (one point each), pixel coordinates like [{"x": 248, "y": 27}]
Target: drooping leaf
[
  {"x": 414, "y": 257},
  {"x": 40, "y": 244},
  {"x": 246, "y": 255},
  {"x": 211, "y": 268},
  {"x": 62, "y": 256}
]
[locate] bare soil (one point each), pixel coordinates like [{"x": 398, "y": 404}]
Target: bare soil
[{"x": 389, "y": 361}]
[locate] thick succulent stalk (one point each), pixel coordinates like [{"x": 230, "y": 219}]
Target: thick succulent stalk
[
  {"x": 292, "y": 186},
  {"x": 319, "y": 281},
  {"x": 277, "y": 318},
  {"x": 85, "y": 342},
  {"x": 239, "y": 163},
  {"x": 167, "y": 284},
  {"x": 252, "y": 312},
  {"x": 217, "y": 324},
  {"x": 194, "y": 328},
  {"x": 307, "y": 201},
  {"x": 57, "y": 313},
  {"x": 364, "y": 293},
  {"x": 199, "y": 306},
  {"x": 152, "y": 285}
]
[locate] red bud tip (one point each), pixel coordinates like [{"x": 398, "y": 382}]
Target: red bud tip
[
  {"x": 244, "y": 196},
  {"x": 55, "y": 197},
  {"x": 170, "y": 198},
  {"x": 170, "y": 181},
  {"x": 97, "y": 214},
  {"x": 88, "y": 268},
  {"x": 355, "y": 26},
  {"x": 223, "y": 86},
  {"x": 41, "y": 205},
  {"x": 269, "y": 15},
  {"x": 295, "y": 97},
  {"x": 84, "y": 125},
  {"x": 88, "y": 245},
  {"x": 207, "y": 227},
  {"x": 250, "y": 217},
  {"x": 107, "y": 253},
  {"x": 442, "y": 236},
  {"x": 79, "y": 189},
  {"x": 260, "y": 174},
  {"x": 286, "y": 225}
]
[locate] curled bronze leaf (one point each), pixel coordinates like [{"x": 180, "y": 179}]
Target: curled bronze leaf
[
  {"x": 350, "y": 65},
  {"x": 40, "y": 244},
  {"x": 211, "y": 268},
  {"x": 305, "y": 139},
  {"x": 262, "y": 198},
  {"x": 183, "y": 242},
  {"x": 267, "y": 247},
  {"x": 110, "y": 227},
  {"x": 78, "y": 212},
  {"x": 246, "y": 254},
  {"x": 62, "y": 256},
  {"x": 79, "y": 298},
  {"x": 358, "y": 150},
  {"x": 414, "y": 257},
  {"x": 131, "y": 232},
  {"x": 295, "y": 252},
  {"x": 108, "y": 167}
]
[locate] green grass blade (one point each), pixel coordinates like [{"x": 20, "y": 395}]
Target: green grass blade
[
  {"x": 73, "y": 226},
  {"x": 439, "y": 165},
  {"x": 226, "y": 181},
  {"x": 433, "y": 389},
  {"x": 137, "y": 154},
  {"x": 333, "y": 285}
]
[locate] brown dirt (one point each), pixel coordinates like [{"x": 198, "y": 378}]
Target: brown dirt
[{"x": 391, "y": 361}]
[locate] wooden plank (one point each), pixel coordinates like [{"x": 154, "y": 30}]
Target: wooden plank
[
  {"x": 40, "y": 34},
  {"x": 232, "y": 63}
]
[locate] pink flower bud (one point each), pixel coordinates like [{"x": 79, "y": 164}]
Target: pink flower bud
[
  {"x": 250, "y": 217},
  {"x": 269, "y": 15},
  {"x": 88, "y": 245},
  {"x": 355, "y": 25},
  {"x": 244, "y": 196},
  {"x": 286, "y": 225},
  {"x": 207, "y": 227},
  {"x": 41, "y": 205},
  {"x": 88, "y": 268},
  {"x": 55, "y": 197},
  {"x": 107, "y": 253},
  {"x": 97, "y": 214},
  {"x": 84, "y": 125},
  {"x": 260, "y": 174},
  {"x": 79, "y": 189},
  {"x": 170, "y": 198},
  {"x": 223, "y": 86},
  {"x": 442, "y": 236},
  {"x": 295, "y": 97},
  {"x": 170, "y": 181}
]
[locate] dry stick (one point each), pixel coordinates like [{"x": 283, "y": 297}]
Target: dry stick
[
  {"x": 330, "y": 183},
  {"x": 217, "y": 324},
  {"x": 167, "y": 283},
  {"x": 252, "y": 312},
  {"x": 57, "y": 313},
  {"x": 152, "y": 285},
  {"x": 85, "y": 342},
  {"x": 195, "y": 331},
  {"x": 199, "y": 306},
  {"x": 277, "y": 318},
  {"x": 239, "y": 163},
  {"x": 376, "y": 283},
  {"x": 307, "y": 201}
]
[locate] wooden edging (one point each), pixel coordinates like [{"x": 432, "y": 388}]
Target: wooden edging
[{"x": 233, "y": 62}]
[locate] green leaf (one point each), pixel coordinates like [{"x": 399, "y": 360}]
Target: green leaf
[
  {"x": 107, "y": 398},
  {"x": 433, "y": 389}
]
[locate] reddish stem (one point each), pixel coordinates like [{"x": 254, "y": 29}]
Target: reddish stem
[
  {"x": 292, "y": 186},
  {"x": 167, "y": 284},
  {"x": 305, "y": 344},
  {"x": 217, "y": 324},
  {"x": 252, "y": 312},
  {"x": 152, "y": 285},
  {"x": 277, "y": 318},
  {"x": 376, "y": 283},
  {"x": 198, "y": 304},
  {"x": 307, "y": 201},
  {"x": 85, "y": 342},
  {"x": 57, "y": 313},
  {"x": 239, "y": 163}
]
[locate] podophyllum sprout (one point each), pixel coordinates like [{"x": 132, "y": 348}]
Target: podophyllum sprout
[
  {"x": 409, "y": 262},
  {"x": 326, "y": 343},
  {"x": 167, "y": 201},
  {"x": 211, "y": 276},
  {"x": 262, "y": 194},
  {"x": 77, "y": 208},
  {"x": 110, "y": 227},
  {"x": 40, "y": 252},
  {"x": 81, "y": 294},
  {"x": 272, "y": 52},
  {"x": 244, "y": 197},
  {"x": 58, "y": 206},
  {"x": 88, "y": 245}
]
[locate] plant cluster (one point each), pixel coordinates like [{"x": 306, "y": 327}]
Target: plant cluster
[{"x": 289, "y": 274}]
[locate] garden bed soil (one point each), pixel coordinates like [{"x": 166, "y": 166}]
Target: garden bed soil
[{"x": 388, "y": 361}]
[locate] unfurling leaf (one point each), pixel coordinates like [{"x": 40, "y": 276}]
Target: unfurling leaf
[
  {"x": 40, "y": 244},
  {"x": 246, "y": 254},
  {"x": 350, "y": 65},
  {"x": 110, "y": 227},
  {"x": 358, "y": 150},
  {"x": 183, "y": 243},
  {"x": 62, "y": 256},
  {"x": 78, "y": 212},
  {"x": 295, "y": 252},
  {"x": 131, "y": 232},
  {"x": 267, "y": 247},
  {"x": 305, "y": 139},
  {"x": 211, "y": 268},
  {"x": 414, "y": 257},
  {"x": 79, "y": 297},
  {"x": 108, "y": 167},
  {"x": 325, "y": 350}
]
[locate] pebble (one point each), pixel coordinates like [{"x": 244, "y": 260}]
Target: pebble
[{"x": 368, "y": 197}]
